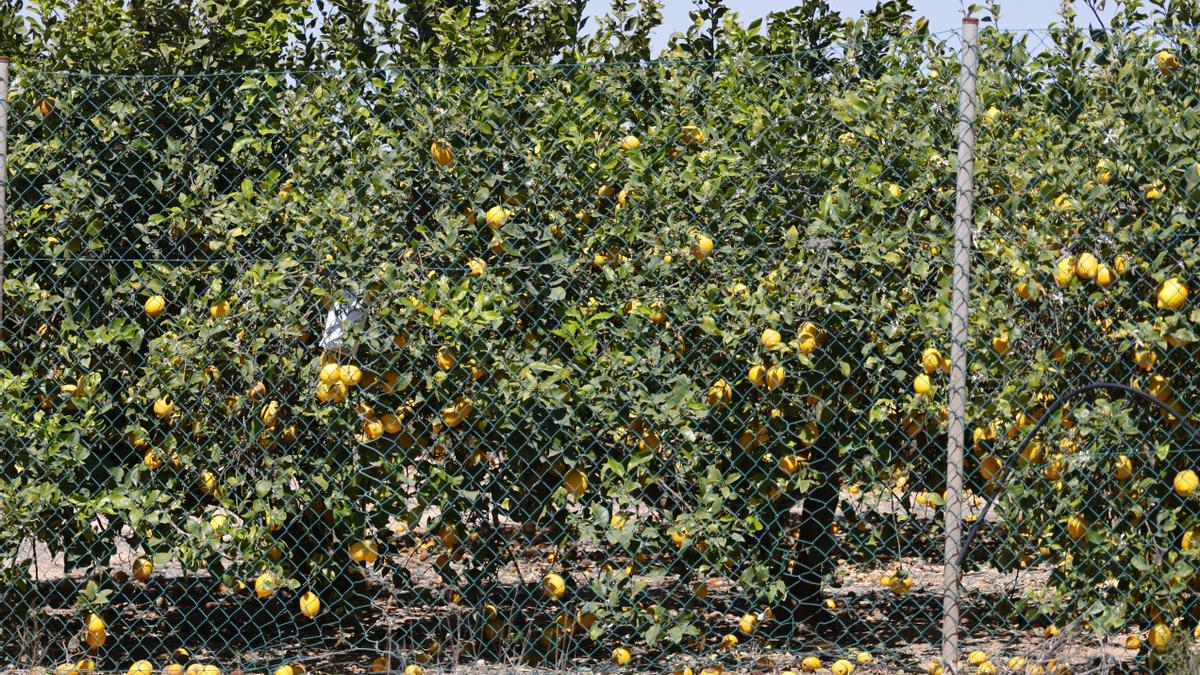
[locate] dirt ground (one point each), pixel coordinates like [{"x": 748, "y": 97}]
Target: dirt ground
[{"x": 900, "y": 633}]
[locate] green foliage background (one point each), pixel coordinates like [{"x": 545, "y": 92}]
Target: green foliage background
[{"x": 277, "y": 156}]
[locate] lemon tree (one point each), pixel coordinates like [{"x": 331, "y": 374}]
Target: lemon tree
[{"x": 583, "y": 351}]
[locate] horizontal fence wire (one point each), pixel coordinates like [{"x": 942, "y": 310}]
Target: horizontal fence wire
[{"x": 593, "y": 366}]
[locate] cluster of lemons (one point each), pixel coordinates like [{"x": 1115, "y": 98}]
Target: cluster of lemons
[
  {"x": 497, "y": 216},
  {"x": 1159, "y": 638},
  {"x": 932, "y": 362}
]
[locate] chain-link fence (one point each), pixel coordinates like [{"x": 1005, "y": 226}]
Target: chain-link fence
[{"x": 600, "y": 365}]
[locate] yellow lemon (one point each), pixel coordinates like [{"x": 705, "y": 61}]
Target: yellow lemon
[
  {"x": 841, "y": 667},
  {"x": 1133, "y": 642},
  {"x": 702, "y": 248},
  {"x": 864, "y": 657},
  {"x": 372, "y": 429},
  {"x": 365, "y": 552},
  {"x": 445, "y": 358},
  {"x": 269, "y": 412},
  {"x": 1124, "y": 470},
  {"x": 771, "y": 338},
  {"x": 95, "y": 639},
  {"x": 497, "y": 216},
  {"x": 349, "y": 375},
  {"x": 748, "y": 623},
  {"x": 163, "y": 407},
  {"x": 1159, "y": 637},
  {"x": 310, "y": 604},
  {"x": 142, "y": 667},
  {"x": 931, "y": 360},
  {"x": 173, "y": 669},
  {"x": 1166, "y": 62},
  {"x": 152, "y": 459},
  {"x": 265, "y": 584},
  {"x": 1185, "y": 482},
  {"x": 575, "y": 482},
  {"x": 986, "y": 668},
  {"x": 1172, "y": 294},
  {"x": 1076, "y": 527},
  {"x": 810, "y": 664},
  {"x": 554, "y": 586},
  {"x": 413, "y": 669},
  {"x": 95, "y": 624},
  {"x": 977, "y": 657},
  {"x": 621, "y": 656},
  {"x": 720, "y": 392},
  {"x": 895, "y": 191},
  {"x": 1105, "y": 276},
  {"x": 921, "y": 384},
  {"x": 442, "y": 152},
  {"x": 476, "y": 267},
  {"x": 1000, "y": 344},
  {"x": 757, "y": 374},
  {"x": 329, "y": 373},
  {"x": 729, "y": 641},
  {"x": 219, "y": 310},
  {"x": 142, "y": 569},
  {"x": 1086, "y": 266},
  {"x": 155, "y": 305},
  {"x": 1145, "y": 358},
  {"x": 1064, "y": 271},
  {"x": 692, "y": 134},
  {"x": 630, "y": 143},
  {"x": 789, "y": 464},
  {"x": 207, "y": 482},
  {"x": 218, "y": 522},
  {"x": 380, "y": 664},
  {"x": 775, "y": 376},
  {"x": 85, "y": 665}
]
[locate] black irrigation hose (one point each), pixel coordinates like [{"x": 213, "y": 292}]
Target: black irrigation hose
[{"x": 1006, "y": 470}]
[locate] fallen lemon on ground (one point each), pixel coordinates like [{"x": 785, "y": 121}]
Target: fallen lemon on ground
[
  {"x": 841, "y": 667},
  {"x": 1159, "y": 637}
]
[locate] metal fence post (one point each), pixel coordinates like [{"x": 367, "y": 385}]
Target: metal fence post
[
  {"x": 4, "y": 62},
  {"x": 963, "y": 217}
]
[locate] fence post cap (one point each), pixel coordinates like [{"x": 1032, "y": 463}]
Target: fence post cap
[
  {"x": 5, "y": 59},
  {"x": 967, "y": 20}
]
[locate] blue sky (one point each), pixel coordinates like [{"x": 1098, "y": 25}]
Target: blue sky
[{"x": 942, "y": 14}]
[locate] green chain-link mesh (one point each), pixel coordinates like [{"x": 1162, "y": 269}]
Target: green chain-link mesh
[{"x": 570, "y": 365}]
